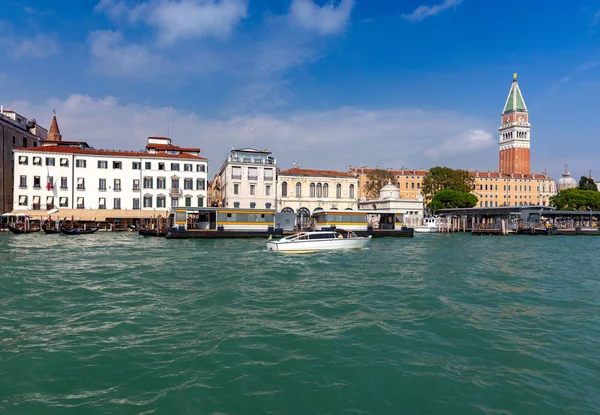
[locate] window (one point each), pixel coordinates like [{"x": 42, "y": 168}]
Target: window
[
  {"x": 298, "y": 189},
  {"x": 284, "y": 189},
  {"x": 102, "y": 203},
  {"x": 161, "y": 202},
  {"x": 117, "y": 165},
  {"x": 161, "y": 183},
  {"x": 63, "y": 202},
  {"x": 63, "y": 183},
  {"x": 37, "y": 161},
  {"x": 49, "y": 202},
  {"x": 188, "y": 184},
  {"x": 117, "y": 185},
  {"x": 50, "y": 182},
  {"x": 412, "y": 185},
  {"x": 187, "y": 167},
  {"x": 136, "y": 203},
  {"x": 419, "y": 186},
  {"x": 161, "y": 166},
  {"x": 312, "y": 190},
  {"x": 351, "y": 192},
  {"x": 101, "y": 184},
  {"x": 147, "y": 182},
  {"x": 80, "y": 203},
  {"x": 23, "y": 181},
  {"x": 22, "y": 200},
  {"x": 175, "y": 166},
  {"x": 200, "y": 184},
  {"x": 252, "y": 189},
  {"x": 200, "y": 168},
  {"x": 252, "y": 205},
  {"x": 23, "y": 160},
  {"x": 136, "y": 184},
  {"x": 80, "y": 163},
  {"x": 117, "y": 203},
  {"x": 102, "y": 164},
  {"x": 326, "y": 190},
  {"x": 36, "y": 182},
  {"x": 236, "y": 172},
  {"x": 64, "y": 162},
  {"x": 80, "y": 183},
  {"x": 136, "y": 165},
  {"x": 268, "y": 175},
  {"x": 338, "y": 191},
  {"x": 200, "y": 202},
  {"x": 147, "y": 201},
  {"x": 174, "y": 202},
  {"x": 319, "y": 190},
  {"x": 268, "y": 190},
  {"x": 175, "y": 183},
  {"x": 236, "y": 204},
  {"x": 36, "y": 203},
  {"x": 148, "y": 165},
  {"x": 24, "y": 141},
  {"x": 188, "y": 202},
  {"x": 236, "y": 189},
  {"x": 268, "y": 205},
  {"x": 252, "y": 173}
]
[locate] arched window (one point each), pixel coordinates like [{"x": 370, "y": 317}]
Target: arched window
[
  {"x": 338, "y": 191},
  {"x": 283, "y": 189},
  {"x": 326, "y": 190},
  {"x": 312, "y": 190},
  {"x": 298, "y": 189},
  {"x": 351, "y": 192},
  {"x": 319, "y": 190}
]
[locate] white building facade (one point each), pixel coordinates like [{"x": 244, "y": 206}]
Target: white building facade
[
  {"x": 302, "y": 191},
  {"x": 390, "y": 200},
  {"x": 248, "y": 180},
  {"x": 79, "y": 177}
]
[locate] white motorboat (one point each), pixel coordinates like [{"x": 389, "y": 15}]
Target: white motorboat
[
  {"x": 430, "y": 225},
  {"x": 306, "y": 242}
]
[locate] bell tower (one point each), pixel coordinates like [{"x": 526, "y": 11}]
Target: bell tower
[{"x": 515, "y": 133}]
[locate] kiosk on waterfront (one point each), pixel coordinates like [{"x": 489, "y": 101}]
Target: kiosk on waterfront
[{"x": 371, "y": 222}]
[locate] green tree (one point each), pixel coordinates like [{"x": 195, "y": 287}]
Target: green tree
[
  {"x": 587, "y": 183},
  {"x": 576, "y": 199},
  {"x": 445, "y": 178},
  {"x": 376, "y": 179},
  {"x": 445, "y": 199}
]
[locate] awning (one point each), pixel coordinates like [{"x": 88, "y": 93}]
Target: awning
[
  {"x": 37, "y": 160},
  {"x": 22, "y": 199},
  {"x": 49, "y": 200},
  {"x": 22, "y": 159},
  {"x": 93, "y": 215},
  {"x": 36, "y": 200}
]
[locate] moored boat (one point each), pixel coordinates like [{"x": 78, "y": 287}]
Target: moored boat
[
  {"x": 49, "y": 230},
  {"x": 430, "y": 225},
  {"x": 21, "y": 229},
  {"x": 78, "y": 231},
  {"x": 307, "y": 242}
]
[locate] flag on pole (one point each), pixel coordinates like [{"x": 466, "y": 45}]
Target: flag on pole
[{"x": 48, "y": 184}]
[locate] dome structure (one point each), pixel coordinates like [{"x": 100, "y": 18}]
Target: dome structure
[
  {"x": 566, "y": 181},
  {"x": 389, "y": 191}
]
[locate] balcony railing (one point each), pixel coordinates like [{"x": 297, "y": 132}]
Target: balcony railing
[
  {"x": 236, "y": 176},
  {"x": 252, "y": 177},
  {"x": 175, "y": 192}
]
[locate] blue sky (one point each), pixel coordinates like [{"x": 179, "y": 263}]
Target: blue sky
[{"x": 327, "y": 84}]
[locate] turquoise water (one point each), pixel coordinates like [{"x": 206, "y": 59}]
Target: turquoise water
[{"x": 436, "y": 324}]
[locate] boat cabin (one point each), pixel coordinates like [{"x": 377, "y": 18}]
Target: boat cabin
[
  {"x": 223, "y": 219},
  {"x": 357, "y": 220}
]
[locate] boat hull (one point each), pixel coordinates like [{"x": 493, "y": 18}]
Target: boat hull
[
  {"x": 150, "y": 232},
  {"x": 303, "y": 247},
  {"x": 66, "y": 231},
  {"x": 49, "y": 231},
  {"x": 426, "y": 229},
  {"x": 21, "y": 230}
]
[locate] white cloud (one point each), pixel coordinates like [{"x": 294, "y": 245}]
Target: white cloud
[
  {"x": 17, "y": 47},
  {"x": 316, "y": 139},
  {"x": 326, "y": 20},
  {"x": 112, "y": 56},
  {"x": 469, "y": 141},
  {"x": 175, "y": 20},
  {"x": 423, "y": 12}
]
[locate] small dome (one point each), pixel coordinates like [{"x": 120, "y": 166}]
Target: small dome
[
  {"x": 566, "y": 181},
  {"x": 389, "y": 191}
]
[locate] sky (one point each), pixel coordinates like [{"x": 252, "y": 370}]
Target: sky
[{"x": 325, "y": 84}]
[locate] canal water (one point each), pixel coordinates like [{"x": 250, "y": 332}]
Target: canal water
[{"x": 436, "y": 324}]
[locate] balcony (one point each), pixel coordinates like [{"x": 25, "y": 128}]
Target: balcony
[
  {"x": 175, "y": 192},
  {"x": 236, "y": 176},
  {"x": 252, "y": 177}
]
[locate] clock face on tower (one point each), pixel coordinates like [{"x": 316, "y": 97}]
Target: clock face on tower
[{"x": 521, "y": 118}]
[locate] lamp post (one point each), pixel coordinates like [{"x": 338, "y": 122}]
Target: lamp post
[{"x": 590, "y": 216}]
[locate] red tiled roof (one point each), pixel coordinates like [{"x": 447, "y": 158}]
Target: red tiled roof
[
  {"x": 315, "y": 173},
  {"x": 171, "y": 147},
  {"x": 403, "y": 172},
  {"x": 495, "y": 174},
  {"x": 75, "y": 150}
]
